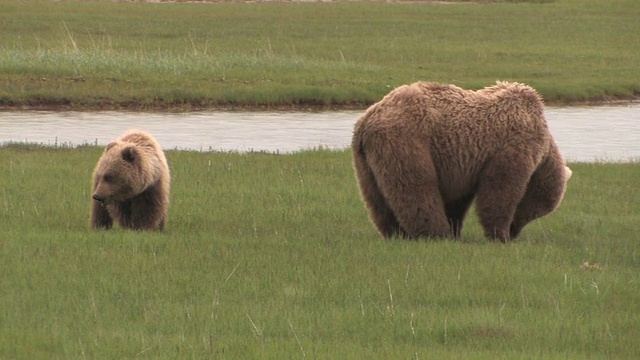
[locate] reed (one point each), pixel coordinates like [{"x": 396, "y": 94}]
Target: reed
[{"x": 272, "y": 256}]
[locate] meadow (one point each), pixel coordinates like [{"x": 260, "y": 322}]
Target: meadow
[
  {"x": 272, "y": 256},
  {"x": 185, "y": 56}
]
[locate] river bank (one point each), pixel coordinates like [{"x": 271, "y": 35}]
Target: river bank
[{"x": 177, "y": 108}]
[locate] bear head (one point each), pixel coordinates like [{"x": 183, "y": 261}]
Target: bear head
[
  {"x": 567, "y": 176},
  {"x": 567, "y": 173},
  {"x": 124, "y": 171}
]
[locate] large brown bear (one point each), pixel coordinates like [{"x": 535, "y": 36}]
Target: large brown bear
[
  {"x": 427, "y": 150},
  {"x": 131, "y": 184}
]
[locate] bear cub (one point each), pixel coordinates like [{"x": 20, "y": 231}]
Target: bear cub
[{"x": 131, "y": 184}]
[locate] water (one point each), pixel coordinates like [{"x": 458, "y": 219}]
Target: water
[
  {"x": 585, "y": 134},
  {"x": 597, "y": 133},
  {"x": 201, "y": 131}
]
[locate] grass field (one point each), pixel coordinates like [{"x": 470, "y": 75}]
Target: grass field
[
  {"x": 273, "y": 257},
  {"x": 89, "y": 54}
]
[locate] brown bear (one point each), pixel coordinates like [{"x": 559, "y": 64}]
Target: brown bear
[
  {"x": 426, "y": 150},
  {"x": 131, "y": 184}
]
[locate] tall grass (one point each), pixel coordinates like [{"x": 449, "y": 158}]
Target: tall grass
[
  {"x": 272, "y": 256},
  {"x": 199, "y": 55}
]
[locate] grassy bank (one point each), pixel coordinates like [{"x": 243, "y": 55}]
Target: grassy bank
[
  {"x": 185, "y": 55},
  {"x": 272, "y": 256}
]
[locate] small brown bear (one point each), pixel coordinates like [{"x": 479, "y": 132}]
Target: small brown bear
[
  {"x": 426, "y": 150},
  {"x": 131, "y": 184}
]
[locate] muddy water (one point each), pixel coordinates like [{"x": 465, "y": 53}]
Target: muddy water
[{"x": 586, "y": 134}]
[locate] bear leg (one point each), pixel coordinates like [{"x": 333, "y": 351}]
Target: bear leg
[
  {"x": 502, "y": 185},
  {"x": 100, "y": 218},
  {"x": 379, "y": 211},
  {"x": 544, "y": 193},
  {"x": 408, "y": 181}
]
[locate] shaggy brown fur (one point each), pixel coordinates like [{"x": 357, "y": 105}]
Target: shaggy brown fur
[
  {"x": 131, "y": 184},
  {"x": 426, "y": 151}
]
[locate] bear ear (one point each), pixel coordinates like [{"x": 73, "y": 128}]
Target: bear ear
[
  {"x": 129, "y": 153},
  {"x": 110, "y": 145}
]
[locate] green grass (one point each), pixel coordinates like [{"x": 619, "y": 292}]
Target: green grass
[
  {"x": 184, "y": 55},
  {"x": 272, "y": 257}
]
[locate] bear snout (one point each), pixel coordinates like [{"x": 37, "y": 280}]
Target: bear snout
[{"x": 98, "y": 197}]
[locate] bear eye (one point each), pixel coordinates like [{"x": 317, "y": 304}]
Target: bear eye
[{"x": 107, "y": 178}]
